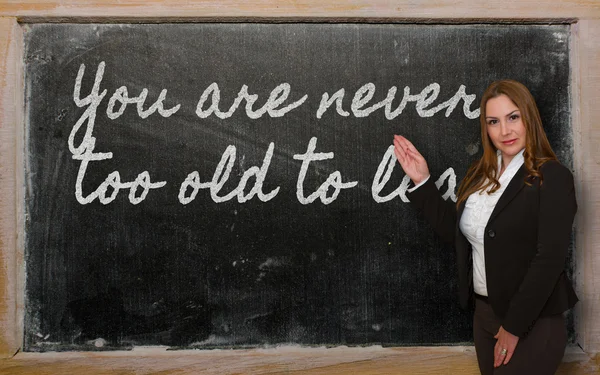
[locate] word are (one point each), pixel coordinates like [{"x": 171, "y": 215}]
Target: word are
[{"x": 277, "y": 97}]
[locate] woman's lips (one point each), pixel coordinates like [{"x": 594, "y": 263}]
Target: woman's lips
[{"x": 509, "y": 142}]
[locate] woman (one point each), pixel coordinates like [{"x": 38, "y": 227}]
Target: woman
[{"x": 511, "y": 227}]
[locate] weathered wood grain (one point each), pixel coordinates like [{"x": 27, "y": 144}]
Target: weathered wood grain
[
  {"x": 419, "y": 360},
  {"x": 11, "y": 125},
  {"x": 588, "y": 239},
  {"x": 281, "y": 360},
  {"x": 424, "y": 10}
]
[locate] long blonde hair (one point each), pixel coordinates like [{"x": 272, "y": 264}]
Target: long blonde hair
[{"x": 482, "y": 174}]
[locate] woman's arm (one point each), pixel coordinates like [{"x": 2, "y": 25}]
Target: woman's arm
[
  {"x": 441, "y": 214},
  {"x": 557, "y": 208}
]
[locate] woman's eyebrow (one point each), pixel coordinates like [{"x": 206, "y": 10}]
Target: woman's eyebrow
[{"x": 492, "y": 117}]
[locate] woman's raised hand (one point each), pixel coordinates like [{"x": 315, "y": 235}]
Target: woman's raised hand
[{"x": 410, "y": 159}]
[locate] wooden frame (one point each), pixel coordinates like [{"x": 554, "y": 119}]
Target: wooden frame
[{"x": 585, "y": 58}]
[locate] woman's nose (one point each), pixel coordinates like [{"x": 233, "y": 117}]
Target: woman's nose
[{"x": 504, "y": 128}]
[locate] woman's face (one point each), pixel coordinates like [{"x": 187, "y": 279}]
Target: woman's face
[{"x": 505, "y": 126}]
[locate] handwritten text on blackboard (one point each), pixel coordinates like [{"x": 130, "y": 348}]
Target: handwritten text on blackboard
[{"x": 277, "y": 105}]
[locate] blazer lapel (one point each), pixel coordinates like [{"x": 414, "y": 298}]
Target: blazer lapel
[
  {"x": 459, "y": 212},
  {"x": 464, "y": 262},
  {"x": 461, "y": 240},
  {"x": 461, "y": 208},
  {"x": 514, "y": 186}
]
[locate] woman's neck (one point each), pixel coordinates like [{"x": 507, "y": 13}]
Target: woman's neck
[{"x": 505, "y": 161}]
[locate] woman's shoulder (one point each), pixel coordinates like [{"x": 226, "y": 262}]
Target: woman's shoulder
[
  {"x": 554, "y": 166},
  {"x": 554, "y": 172}
]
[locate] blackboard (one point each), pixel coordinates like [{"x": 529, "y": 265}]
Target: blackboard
[{"x": 265, "y": 208}]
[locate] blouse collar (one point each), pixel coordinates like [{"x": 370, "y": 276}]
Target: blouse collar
[{"x": 515, "y": 163}]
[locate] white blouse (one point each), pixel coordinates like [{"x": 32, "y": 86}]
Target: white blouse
[{"x": 477, "y": 212}]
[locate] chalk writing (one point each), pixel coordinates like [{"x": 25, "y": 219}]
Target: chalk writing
[
  {"x": 85, "y": 150},
  {"x": 122, "y": 97},
  {"x": 424, "y": 99},
  {"x": 221, "y": 176},
  {"x": 275, "y": 106},
  {"x": 384, "y": 172},
  {"x": 276, "y": 98},
  {"x": 334, "y": 180}
]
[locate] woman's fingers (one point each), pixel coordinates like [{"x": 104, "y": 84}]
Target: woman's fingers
[
  {"x": 408, "y": 149},
  {"x": 505, "y": 347},
  {"x": 399, "y": 151},
  {"x": 501, "y": 357},
  {"x": 401, "y": 146},
  {"x": 401, "y": 142},
  {"x": 498, "y": 357},
  {"x": 407, "y": 161},
  {"x": 412, "y": 162},
  {"x": 400, "y": 155},
  {"x": 407, "y": 145},
  {"x": 509, "y": 355}
]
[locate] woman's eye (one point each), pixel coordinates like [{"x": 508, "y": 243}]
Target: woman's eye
[
  {"x": 492, "y": 122},
  {"x": 514, "y": 117}
]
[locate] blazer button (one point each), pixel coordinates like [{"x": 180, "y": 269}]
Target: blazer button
[{"x": 491, "y": 233}]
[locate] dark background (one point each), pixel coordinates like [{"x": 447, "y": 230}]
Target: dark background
[{"x": 235, "y": 274}]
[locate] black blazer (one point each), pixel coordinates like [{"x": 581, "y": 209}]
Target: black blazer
[{"x": 526, "y": 242}]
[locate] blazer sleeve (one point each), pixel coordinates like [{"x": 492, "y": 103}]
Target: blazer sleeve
[
  {"x": 557, "y": 208},
  {"x": 441, "y": 214}
]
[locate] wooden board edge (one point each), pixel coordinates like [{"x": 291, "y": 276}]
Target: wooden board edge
[
  {"x": 215, "y": 9},
  {"x": 589, "y": 31},
  {"x": 9, "y": 72},
  {"x": 578, "y": 174},
  {"x": 11, "y": 114},
  {"x": 276, "y": 360},
  {"x": 20, "y": 168}
]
